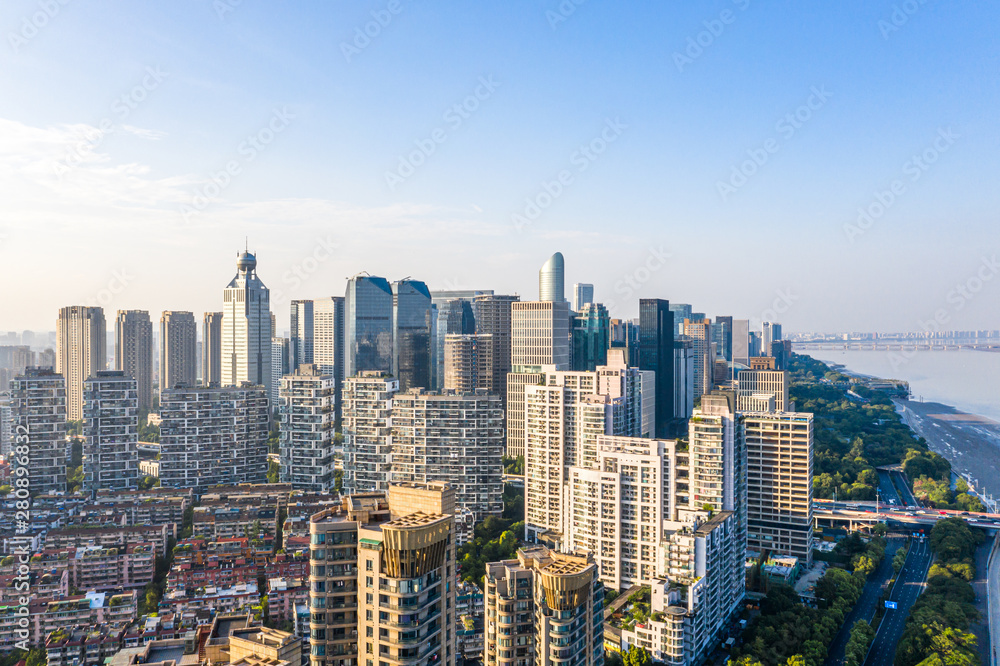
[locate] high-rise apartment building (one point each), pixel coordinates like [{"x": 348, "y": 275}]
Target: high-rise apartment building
[
  {"x": 211, "y": 349},
  {"x": 14, "y": 359},
  {"x": 583, "y": 294},
  {"x": 306, "y": 429},
  {"x": 411, "y": 334},
  {"x": 38, "y": 404},
  {"x": 552, "y": 280},
  {"x": 700, "y": 334},
  {"x": 368, "y": 325},
  {"x": 718, "y": 457},
  {"x": 539, "y": 339},
  {"x": 134, "y": 351},
  {"x": 111, "y": 432},
  {"x": 178, "y": 350},
  {"x": 454, "y": 438},
  {"x": 741, "y": 341},
  {"x": 754, "y": 382},
  {"x": 81, "y": 350},
  {"x": 591, "y": 337},
  {"x": 301, "y": 333},
  {"x": 6, "y": 425},
  {"x": 544, "y": 608},
  {"x": 213, "y": 436},
  {"x": 564, "y": 416},
  {"x": 700, "y": 590},
  {"x": 779, "y": 483},
  {"x": 468, "y": 363},
  {"x": 328, "y": 336},
  {"x": 382, "y": 579},
  {"x": 246, "y": 327},
  {"x": 493, "y": 318},
  {"x": 367, "y": 407},
  {"x": 656, "y": 353}
]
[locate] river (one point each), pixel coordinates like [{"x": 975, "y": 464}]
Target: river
[{"x": 965, "y": 379}]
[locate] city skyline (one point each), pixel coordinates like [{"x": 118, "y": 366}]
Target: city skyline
[{"x": 310, "y": 161}]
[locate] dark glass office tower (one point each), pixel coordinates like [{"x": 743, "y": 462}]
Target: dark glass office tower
[
  {"x": 411, "y": 342},
  {"x": 656, "y": 353},
  {"x": 722, "y": 336},
  {"x": 591, "y": 337},
  {"x": 369, "y": 307}
]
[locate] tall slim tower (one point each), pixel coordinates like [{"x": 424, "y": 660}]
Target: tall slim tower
[
  {"x": 111, "y": 427},
  {"x": 246, "y": 327},
  {"x": 741, "y": 341},
  {"x": 328, "y": 343},
  {"x": 656, "y": 353},
  {"x": 551, "y": 279},
  {"x": 368, "y": 325},
  {"x": 583, "y": 294},
  {"x": 411, "y": 335},
  {"x": 493, "y": 318},
  {"x": 82, "y": 351},
  {"x": 301, "y": 333},
  {"x": 211, "y": 349},
  {"x": 134, "y": 351},
  {"x": 38, "y": 400},
  {"x": 699, "y": 331},
  {"x": 178, "y": 349}
]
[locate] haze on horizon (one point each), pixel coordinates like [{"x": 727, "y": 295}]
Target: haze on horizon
[{"x": 730, "y": 144}]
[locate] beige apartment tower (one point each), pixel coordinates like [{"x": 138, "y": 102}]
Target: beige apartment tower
[
  {"x": 544, "y": 608},
  {"x": 779, "y": 483},
  {"x": 81, "y": 347},
  {"x": 178, "y": 349},
  {"x": 383, "y": 579},
  {"x": 134, "y": 352},
  {"x": 211, "y": 349},
  {"x": 468, "y": 363}
]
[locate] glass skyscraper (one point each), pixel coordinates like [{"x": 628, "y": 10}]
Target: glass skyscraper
[
  {"x": 591, "y": 337},
  {"x": 411, "y": 339},
  {"x": 369, "y": 308},
  {"x": 656, "y": 353}
]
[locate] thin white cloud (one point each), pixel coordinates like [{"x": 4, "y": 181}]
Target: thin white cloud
[{"x": 152, "y": 135}]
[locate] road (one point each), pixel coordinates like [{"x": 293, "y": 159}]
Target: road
[
  {"x": 886, "y": 489},
  {"x": 865, "y": 608},
  {"x": 994, "y": 604},
  {"x": 909, "y": 585},
  {"x": 981, "y": 627},
  {"x": 899, "y": 481}
]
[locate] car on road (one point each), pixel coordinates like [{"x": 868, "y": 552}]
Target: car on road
[{"x": 943, "y": 513}]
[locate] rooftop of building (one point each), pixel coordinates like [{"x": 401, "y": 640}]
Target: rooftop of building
[{"x": 712, "y": 523}]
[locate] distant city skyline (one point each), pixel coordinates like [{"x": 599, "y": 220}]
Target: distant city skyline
[{"x": 846, "y": 175}]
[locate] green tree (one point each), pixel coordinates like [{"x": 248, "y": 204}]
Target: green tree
[{"x": 638, "y": 656}]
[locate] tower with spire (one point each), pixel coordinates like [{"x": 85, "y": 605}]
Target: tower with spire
[{"x": 246, "y": 326}]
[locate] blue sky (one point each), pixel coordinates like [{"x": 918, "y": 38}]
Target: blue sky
[{"x": 116, "y": 217}]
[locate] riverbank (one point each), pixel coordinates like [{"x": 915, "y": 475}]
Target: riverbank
[{"x": 971, "y": 443}]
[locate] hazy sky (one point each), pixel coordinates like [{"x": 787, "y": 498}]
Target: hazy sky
[{"x": 715, "y": 154}]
